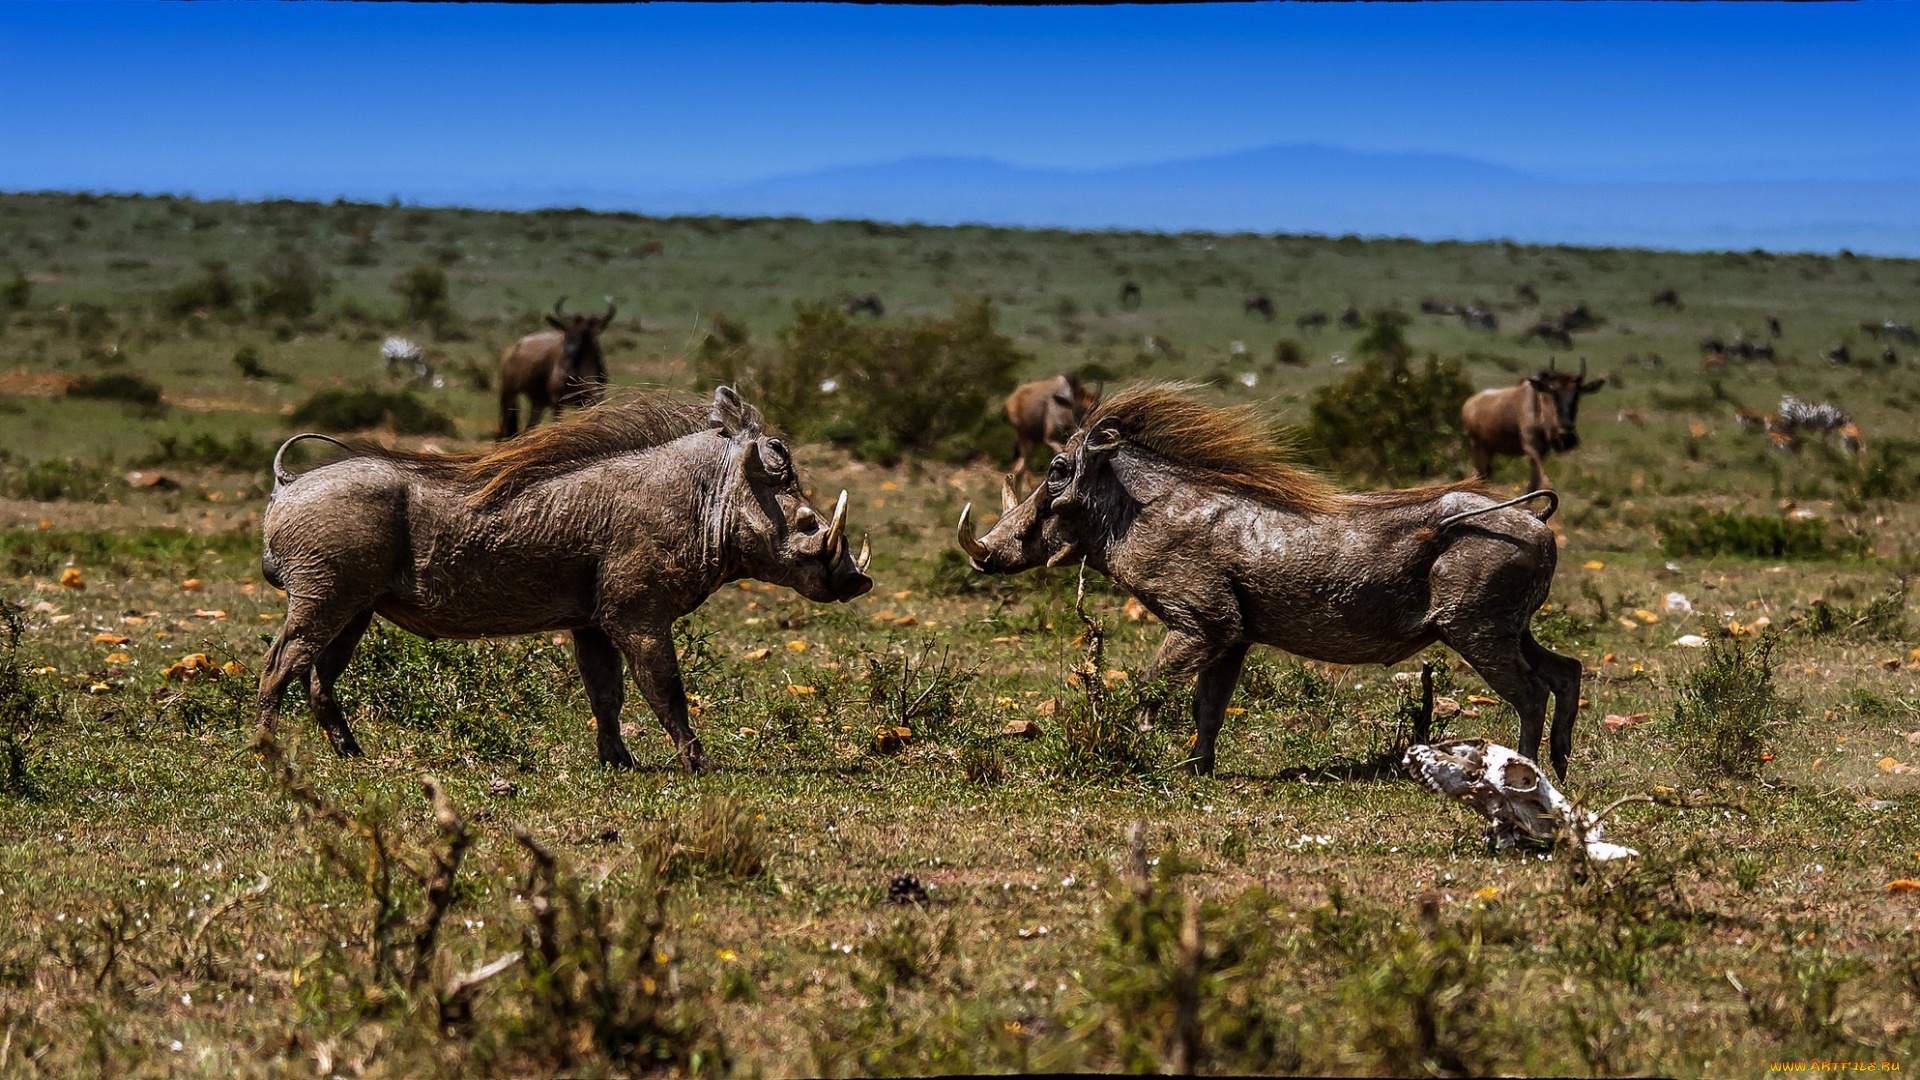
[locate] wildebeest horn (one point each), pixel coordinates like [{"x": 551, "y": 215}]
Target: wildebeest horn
[
  {"x": 559, "y": 307},
  {"x": 1583, "y": 368},
  {"x": 1007, "y": 499},
  {"x": 865, "y": 557},
  {"x": 975, "y": 549},
  {"x": 608, "y": 317},
  {"x": 1551, "y": 361},
  {"x": 836, "y": 529}
]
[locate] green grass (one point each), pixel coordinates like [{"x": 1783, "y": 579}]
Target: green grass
[{"x": 165, "y": 885}]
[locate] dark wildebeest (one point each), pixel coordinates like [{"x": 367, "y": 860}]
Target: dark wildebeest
[
  {"x": 1552, "y": 331},
  {"x": 1350, "y": 318},
  {"x": 1258, "y": 304},
  {"x": 1839, "y": 354},
  {"x": 869, "y": 303},
  {"x": 1529, "y": 420},
  {"x": 1312, "y": 320},
  {"x": 611, "y": 527},
  {"x": 1046, "y": 413},
  {"x": 1193, "y": 511},
  {"x": 1477, "y": 317},
  {"x": 557, "y": 367},
  {"x": 1773, "y": 325},
  {"x": 1129, "y": 295},
  {"x": 1438, "y": 307},
  {"x": 1667, "y": 297},
  {"x": 1527, "y": 294}
]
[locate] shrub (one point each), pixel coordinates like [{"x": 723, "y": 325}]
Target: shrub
[
  {"x": 118, "y": 386},
  {"x": 358, "y": 410},
  {"x": 15, "y": 293},
  {"x": 21, "y": 707},
  {"x": 288, "y": 288},
  {"x": 1722, "y": 710},
  {"x": 922, "y": 689},
  {"x": 423, "y": 294},
  {"x": 59, "y": 478},
  {"x": 1706, "y": 533},
  {"x": 928, "y": 386},
  {"x": 1386, "y": 422},
  {"x": 213, "y": 291},
  {"x": 241, "y": 453},
  {"x": 247, "y": 359},
  {"x": 1288, "y": 351}
]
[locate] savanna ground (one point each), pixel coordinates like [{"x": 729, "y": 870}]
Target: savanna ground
[{"x": 175, "y": 903}]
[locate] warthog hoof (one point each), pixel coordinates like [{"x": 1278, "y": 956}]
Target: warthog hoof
[
  {"x": 616, "y": 756},
  {"x": 695, "y": 760},
  {"x": 344, "y": 744},
  {"x": 1198, "y": 766}
]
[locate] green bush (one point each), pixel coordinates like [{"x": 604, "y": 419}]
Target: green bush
[
  {"x": 358, "y": 410},
  {"x": 289, "y": 287},
  {"x": 118, "y": 386},
  {"x": 927, "y": 386},
  {"x": 213, "y": 291},
  {"x": 247, "y": 359},
  {"x": 241, "y": 453},
  {"x": 1706, "y": 533},
  {"x": 15, "y": 293},
  {"x": 22, "y": 709},
  {"x": 59, "y": 478},
  {"x": 1387, "y": 422},
  {"x": 1722, "y": 711},
  {"x": 423, "y": 294}
]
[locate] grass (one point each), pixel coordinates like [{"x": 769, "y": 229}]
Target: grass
[{"x": 1308, "y": 911}]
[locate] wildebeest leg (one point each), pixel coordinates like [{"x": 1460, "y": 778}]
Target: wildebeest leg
[
  {"x": 1181, "y": 655},
  {"x": 1020, "y": 469},
  {"x": 1210, "y": 696},
  {"x": 1536, "y": 461},
  {"x": 657, "y": 671},
  {"x": 601, "y": 671},
  {"x": 326, "y": 668},
  {"x": 1561, "y": 674},
  {"x": 309, "y": 630},
  {"x": 509, "y": 415},
  {"x": 1482, "y": 455}
]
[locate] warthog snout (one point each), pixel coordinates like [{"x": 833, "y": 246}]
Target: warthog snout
[{"x": 847, "y": 572}]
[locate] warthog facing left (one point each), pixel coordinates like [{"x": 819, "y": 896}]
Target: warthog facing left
[
  {"x": 1192, "y": 511},
  {"x": 612, "y": 527}
]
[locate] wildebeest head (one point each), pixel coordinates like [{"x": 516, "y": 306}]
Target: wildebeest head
[
  {"x": 582, "y": 374},
  {"x": 770, "y": 531},
  {"x": 1557, "y": 402}
]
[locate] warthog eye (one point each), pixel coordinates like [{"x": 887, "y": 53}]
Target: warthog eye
[{"x": 1059, "y": 472}]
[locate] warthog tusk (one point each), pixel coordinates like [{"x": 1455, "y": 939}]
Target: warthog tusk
[
  {"x": 975, "y": 550},
  {"x": 866, "y": 556},
  {"x": 1007, "y": 500},
  {"x": 1062, "y": 555},
  {"x": 836, "y": 529}
]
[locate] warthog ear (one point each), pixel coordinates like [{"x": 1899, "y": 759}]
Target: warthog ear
[
  {"x": 732, "y": 415},
  {"x": 1104, "y": 436}
]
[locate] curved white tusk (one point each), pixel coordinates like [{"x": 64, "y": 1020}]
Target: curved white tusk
[
  {"x": 975, "y": 549},
  {"x": 836, "y": 530},
  {"x": 866, "y": 556},
  {"x": 1007, "y": 499}
]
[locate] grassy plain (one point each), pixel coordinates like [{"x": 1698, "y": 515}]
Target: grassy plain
[{"x": 172, "y": 907}]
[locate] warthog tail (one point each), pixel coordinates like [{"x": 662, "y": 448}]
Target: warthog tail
[
  {"x": 280, "y": 474},
  {"x": 1553, "y": 503}
]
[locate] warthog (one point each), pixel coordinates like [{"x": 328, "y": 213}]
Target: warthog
[
  {"x": 1192, "y": 511},
  {"x": 1046, "y": 413},
  {"x": 612, "y": 528},
  {"x": 557, "y": 367},
  {"x": 1528, "y": 420}
]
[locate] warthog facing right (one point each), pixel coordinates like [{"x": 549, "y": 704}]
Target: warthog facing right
[
  {"x": 1192, "y": 510},
  {"x": 612, "y": 527}
]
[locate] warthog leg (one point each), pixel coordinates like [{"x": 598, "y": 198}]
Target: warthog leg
[
  {"x": 1511, "y": 671},
  {"x": 601, "y": 671},
  {"x": 657, "y": 671},
  {"x": 309, "y": 630},
  {"x": 1182, "y": 655},
  {"x": 1210, "y": 696},
  {"x": 326, "y": 668},
  {"x": 1562, "y": 674}
]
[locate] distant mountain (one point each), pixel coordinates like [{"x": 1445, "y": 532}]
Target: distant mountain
[{"x": 1322, "y": 189}]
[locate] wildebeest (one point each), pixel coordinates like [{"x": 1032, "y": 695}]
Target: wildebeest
[
  {"x": 611, "y": 527},
  {"x": 1046, "y": 413},
  {"x": 1668, "y": 298},
  {"x": 1194, "y": 512},
  {"x": 557, "y": 367},
  {"x": 1527, "y": 294},
  {"x": 870, "y": 304},
  {"x": 1312, "y": 320},
  {"x": 1897, "y": 331},
  {"x": 1474, "y": 316},
  {"x": 1529, "y": 420},
  {"x": 1438, "y": 307},
  {"x": 1549, "y": 330},
  {"x": 1773, "y": 325},
  {"x": 1350, "y": 318},
  {"x": 1258, "y": 304},
  {"x": 1129, "y": 295},
  {"x": 1889, "y": 357},
  {"x": 1839, "y": 354}
]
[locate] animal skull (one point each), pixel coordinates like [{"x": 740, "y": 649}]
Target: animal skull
[{"x": 1520, "y": 804}]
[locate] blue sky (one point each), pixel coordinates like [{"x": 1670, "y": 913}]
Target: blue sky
[{"x": 377, "y": 100}]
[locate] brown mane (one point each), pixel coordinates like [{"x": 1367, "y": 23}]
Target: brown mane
[
  {"x": 1239, "y": 447},
  {"x": 602, "y": 431}
]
